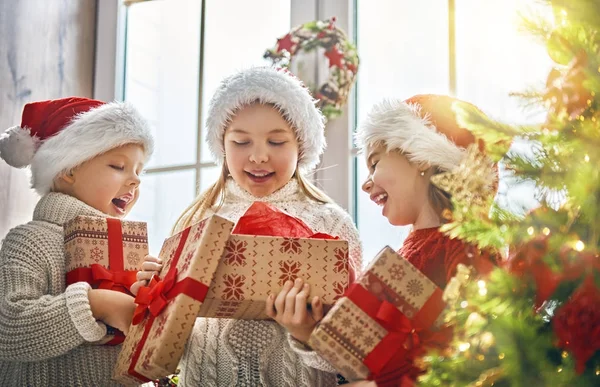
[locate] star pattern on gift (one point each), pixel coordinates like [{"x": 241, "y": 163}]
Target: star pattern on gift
[
  {"x": 357, "y": 332},
  {"x": 286, "y": 43},
  {"x": 133, "y": 258},
  {"x": 88, "y": 221},
  {"x": 335, "y": 57},
  {"x": 414, "y": 288},
  {"x": 369, "y": 341},
  {"x": 233, "y": 286},
  {"x": 290, "y": 245},
  {"x": 341, "y": 263},
  {"x": 346, "y": 322},
  {"x": 100, "y": 222},
  {"x": 397, "y": 272},
  {"x": 289, "y": 271},
  {"x": 234, "y": 253},
  {"x": 338, "y": 289},
  {"x": 96, "y": 254},
  {"x": 79, "y": 254}
]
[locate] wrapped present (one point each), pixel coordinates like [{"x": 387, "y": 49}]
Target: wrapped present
[
  {"x": 168, "y": 307},
  {"x": 106, "y": 253},
  {"x": 253, "y": 266},
  {"x": 383, "y": 321}
]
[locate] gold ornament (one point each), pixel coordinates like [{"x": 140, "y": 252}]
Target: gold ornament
[
  {"x": 473, "y": 182},
  {"x": 488, "y": 378}
]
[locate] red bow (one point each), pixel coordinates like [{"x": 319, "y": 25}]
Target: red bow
[
  {"x": 107, "y": 279},
  {"x": 153, "y": 298}
]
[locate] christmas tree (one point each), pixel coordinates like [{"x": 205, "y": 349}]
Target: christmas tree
[{"x": 534, "y": 320}]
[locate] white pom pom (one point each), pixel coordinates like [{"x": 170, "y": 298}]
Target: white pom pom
[{"x": 17, "y": 147}]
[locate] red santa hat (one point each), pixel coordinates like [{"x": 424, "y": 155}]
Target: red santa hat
[
  {"x": 275, "y": 86},
  {"x": 57, "y": 135},
  {"x": 423, "y": 127}
]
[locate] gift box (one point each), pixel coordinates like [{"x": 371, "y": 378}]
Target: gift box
[
  {"x": 106, "y": 253},
  {"x": 168, "y": 307},
  {"x": 382, "y": 322},
  {"x": 253, "y": 266}
]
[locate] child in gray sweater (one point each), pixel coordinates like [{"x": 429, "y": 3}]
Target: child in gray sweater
[{"x": 85, "y": 157}]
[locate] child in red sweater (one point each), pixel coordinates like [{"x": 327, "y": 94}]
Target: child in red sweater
[{"x": 405, "y": 144}]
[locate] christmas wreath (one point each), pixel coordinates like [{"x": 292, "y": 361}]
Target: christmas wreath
[{"x": 340, "y": 52}]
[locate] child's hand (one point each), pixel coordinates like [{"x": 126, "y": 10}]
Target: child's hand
[
  {"x": 113, "y": 308},
  {"x": 362, "y": 383},
  {"x": 150, "y": 267},
  {"x": 290, "y": 310}
]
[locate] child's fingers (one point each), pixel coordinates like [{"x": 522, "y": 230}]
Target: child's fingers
[
  {"x": 301, "y": 297},
  {"x": 149, "y": 258},
  {"x": 290, "y": 298},
  {"x": 135, "y": 288},
  {"x": 317, "y": 309},
  {"x": 145, "y": 275},
  {"x": 151, "y": 266},
  {"x": 280, "y": 299},
  {"x": 270, "y": 306}
]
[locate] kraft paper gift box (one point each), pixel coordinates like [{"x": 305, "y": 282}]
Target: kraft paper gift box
[
  {"x": 382, "y": 322},
  {"x": 253, "y": 266},
  {"x": 168, "y": 307},
  {"x": 106, "y": 253}
]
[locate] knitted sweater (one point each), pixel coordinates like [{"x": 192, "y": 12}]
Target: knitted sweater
[
  {"x": 223, "y": 352},
  {"x": 43, "y": 324}
]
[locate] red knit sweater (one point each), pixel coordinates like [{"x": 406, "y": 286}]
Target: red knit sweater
[{"x": 435, "y": 254}]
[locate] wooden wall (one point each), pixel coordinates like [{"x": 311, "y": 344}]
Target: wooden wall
[{"x": 46, "y": 51}]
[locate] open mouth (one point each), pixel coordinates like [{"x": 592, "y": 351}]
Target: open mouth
[
  {"x": 121, "y": 202},
  {"x": 380, "y": 199},
  {"x": 259, "y": 176}
]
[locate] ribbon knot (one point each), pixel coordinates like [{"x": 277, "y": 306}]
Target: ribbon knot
[
  {"x": 154, "y": 297},
  {"x": 106, "y": 279}
]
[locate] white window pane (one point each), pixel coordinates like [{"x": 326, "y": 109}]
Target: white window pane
[
  {"x": 161, "y": 74},
  {"x": 163, "y": 197},
  {"x": 208, "y": 176},
  {"x": 403, "y": 48},
  {"x": 237, "y": 34},
  {"x": 492, "y": 63},
  {"x": 375, "y": 230}
]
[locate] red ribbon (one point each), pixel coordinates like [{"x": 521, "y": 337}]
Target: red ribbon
[
  {"x": 152, "y": 299},
  {"x": 97, "y": 275},
  {"x": 403, "y": 340}
]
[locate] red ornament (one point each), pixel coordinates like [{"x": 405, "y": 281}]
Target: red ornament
[
  {"x": 351, "y": 67},
  {"x": 577, "y": 323},
  {"x": 286, "y": 43},
  {"x": 335, "y": 57}
]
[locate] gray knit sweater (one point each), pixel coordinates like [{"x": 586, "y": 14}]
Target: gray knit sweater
[{"x": 43, "y": 325}]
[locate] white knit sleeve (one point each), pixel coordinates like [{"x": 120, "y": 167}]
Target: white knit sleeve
[
  {"x": 309, "y": 357},
  {"x": 35, "y": 325},
  {"x": 339, "y": 223}
]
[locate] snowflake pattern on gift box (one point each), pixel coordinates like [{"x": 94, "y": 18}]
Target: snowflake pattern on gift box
[
  {"x": 289, "y": 271},
  {"x": 160, "y": 326},
  {"x": 96, "y": 254},
  {"x": 381, "y": 260},
  {"x": 234, "y": 253},
  {"x": 357, "y": 332},
  {"x": 290, "y": 246},
  {"x": 341, "y": 263},
  {"x": 414, "y": 288},
  {"x": 397, "y": 272},
  {"x": 133, "y": 258},
  {"x": 100, "y": 222},
  {"x": 146, "y": 361},
  {"x": 346, "y": 322},
  {"x": 233, "y": 287},
  {"x": 369, "y": 341},
  {"x": 79, "y": 254},
  {"x": 338, "y": 289},
  {"x": 187, "y": 261}
]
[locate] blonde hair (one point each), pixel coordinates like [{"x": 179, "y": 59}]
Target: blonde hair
[{"x": 215, "y": 196}]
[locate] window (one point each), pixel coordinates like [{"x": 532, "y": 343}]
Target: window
[
  {"x": 468, "y": 48},
  {"x": 176, "y": 53}
]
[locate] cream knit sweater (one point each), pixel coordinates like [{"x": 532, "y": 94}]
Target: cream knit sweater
[
  {"x": 43, "y": 324},
  {"x": 224, "y": 352}
]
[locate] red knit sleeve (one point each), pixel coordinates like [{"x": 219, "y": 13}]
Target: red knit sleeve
[{"x": 456, "y": 252}]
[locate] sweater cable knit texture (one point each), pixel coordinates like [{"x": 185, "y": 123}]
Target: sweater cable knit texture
[{"x": 43, "y": 325}]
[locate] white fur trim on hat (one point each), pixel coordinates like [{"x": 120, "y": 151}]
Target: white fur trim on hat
[
  {"x": 268, "y": 85},
  {"x": 17, "y": 146},
  {"x": 398, "y": 126},
  {"x": 89, "y": 134}
]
